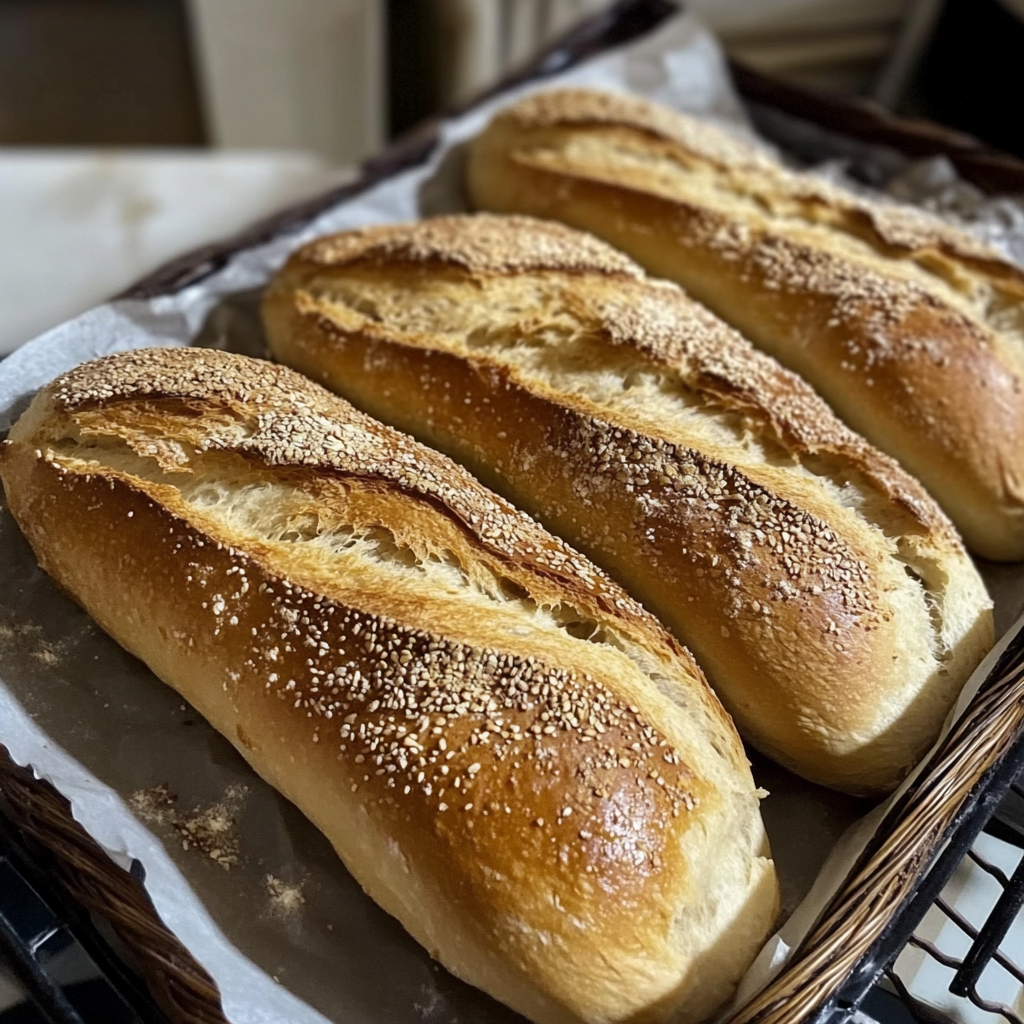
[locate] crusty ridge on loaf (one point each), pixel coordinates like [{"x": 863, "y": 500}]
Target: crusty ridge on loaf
[
  {"x": 664, "y": 328},
  {"x": 486, "y": 249},
  {"x": 477, "y": 718},
  {"x": 826, "y": 595},
  {"x": 886, "y": 225},
  {"x": 911, "y": 329}
]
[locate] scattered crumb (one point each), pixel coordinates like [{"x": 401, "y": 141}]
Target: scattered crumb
[
  {"x": 28, "y": 636},
  {"x": 284, "y": 897},
  {"x": 431, "y": 1005},
  {"x": 211, "y": 830},
  {"x": 236, "y": 793},
  {"x": 9, "y": 631},
  {"x": 46, "y": 655},
  {"x": 154, "y": 806}
]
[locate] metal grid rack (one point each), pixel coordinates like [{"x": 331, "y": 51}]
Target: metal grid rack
[
  {"x": 961, "y": 959},
  {"x": 992, "y": 950}
]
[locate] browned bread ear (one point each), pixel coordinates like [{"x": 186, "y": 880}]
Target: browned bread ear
[
  {"x": 912, "y": 330},
  {"x": 825, "y": 594},
  {"x": 510, "y": 755}
]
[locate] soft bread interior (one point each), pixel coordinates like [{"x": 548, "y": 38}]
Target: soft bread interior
[{"x": 366, "y": 555}]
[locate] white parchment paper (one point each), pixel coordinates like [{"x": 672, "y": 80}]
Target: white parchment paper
[{"x": 283, "y": 929}]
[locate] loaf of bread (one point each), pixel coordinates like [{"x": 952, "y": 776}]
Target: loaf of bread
[
  {"x": 510, "y": 755},
  {"x": 913, "y": 331},
  {"x": 827, "y": 597}
]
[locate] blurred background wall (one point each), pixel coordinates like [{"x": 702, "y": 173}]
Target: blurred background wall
[{"x": 338, "y": 77}]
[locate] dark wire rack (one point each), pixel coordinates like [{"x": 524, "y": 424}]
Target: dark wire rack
[
  {"x": 41, "y": 929},
  {"x": 876, "y": 989},
  {"x": 989, "y": 950}
]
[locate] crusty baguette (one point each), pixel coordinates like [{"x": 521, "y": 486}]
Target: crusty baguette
[
  {"x": 470, "y": 711},
  {"x": 825, "y": 594},
  {"x": 911, "y": 330}
]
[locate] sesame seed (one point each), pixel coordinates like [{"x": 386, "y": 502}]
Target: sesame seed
[{"x": 373, "y": 688}]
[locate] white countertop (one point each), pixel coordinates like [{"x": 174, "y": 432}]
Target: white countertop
[{"x": 77, "y": 226}]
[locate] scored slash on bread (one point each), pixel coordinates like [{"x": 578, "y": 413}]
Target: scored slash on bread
[
  {"x": 510, "y": 754},
  {"x": 911, "y": 329},
  {"x": 825, "y": 594}
]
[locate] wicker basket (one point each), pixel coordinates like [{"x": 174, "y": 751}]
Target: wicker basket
[
  {"x": 185, "y": 992},
  {"x": 895, "y": 878}
]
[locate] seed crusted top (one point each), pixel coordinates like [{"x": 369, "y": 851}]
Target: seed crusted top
[
  {"x": 420, "y": 711},
  {"x": 754, "y": 172},
  {"x": 657, "y": 319},
  {"x": 589, "y": 108},
  {"x": 295, "y": 422},
  {"x": 717, "y": 362},
  {"x": 483, "y": 243},
  {"x": 413, "y": 713},
  {"x": 735, "y": 526},
  {"x": 862, "y": 297},
  {"x": 876, "y": 313}
]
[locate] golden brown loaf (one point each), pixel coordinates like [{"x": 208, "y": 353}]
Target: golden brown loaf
[
  {"x": 476, "y": 717},
  {"x": 911, "y": 330},
  {"x": 827, "y": 597}
]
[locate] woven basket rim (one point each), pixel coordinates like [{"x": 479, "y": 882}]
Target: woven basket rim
[
  {"x": 885, "y": 876},
  {"x": 87, "y": 874}
]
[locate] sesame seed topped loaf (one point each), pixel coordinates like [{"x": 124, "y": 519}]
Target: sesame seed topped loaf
[
  {"x": 911, "y": 329},
  {"x": 510, "y": 755},
  {"x": 825, "y": 594}
]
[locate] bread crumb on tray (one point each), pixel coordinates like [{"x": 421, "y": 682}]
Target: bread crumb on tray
[
  {"x": 285, "y": 898},
  {"x": 210, "y": 830}
]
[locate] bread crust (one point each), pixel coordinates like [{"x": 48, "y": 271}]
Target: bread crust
[
  {"x": 912, "y": 330},
  {"x": 723, "y": 510},
  {"x": 404, "y": 656}
]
